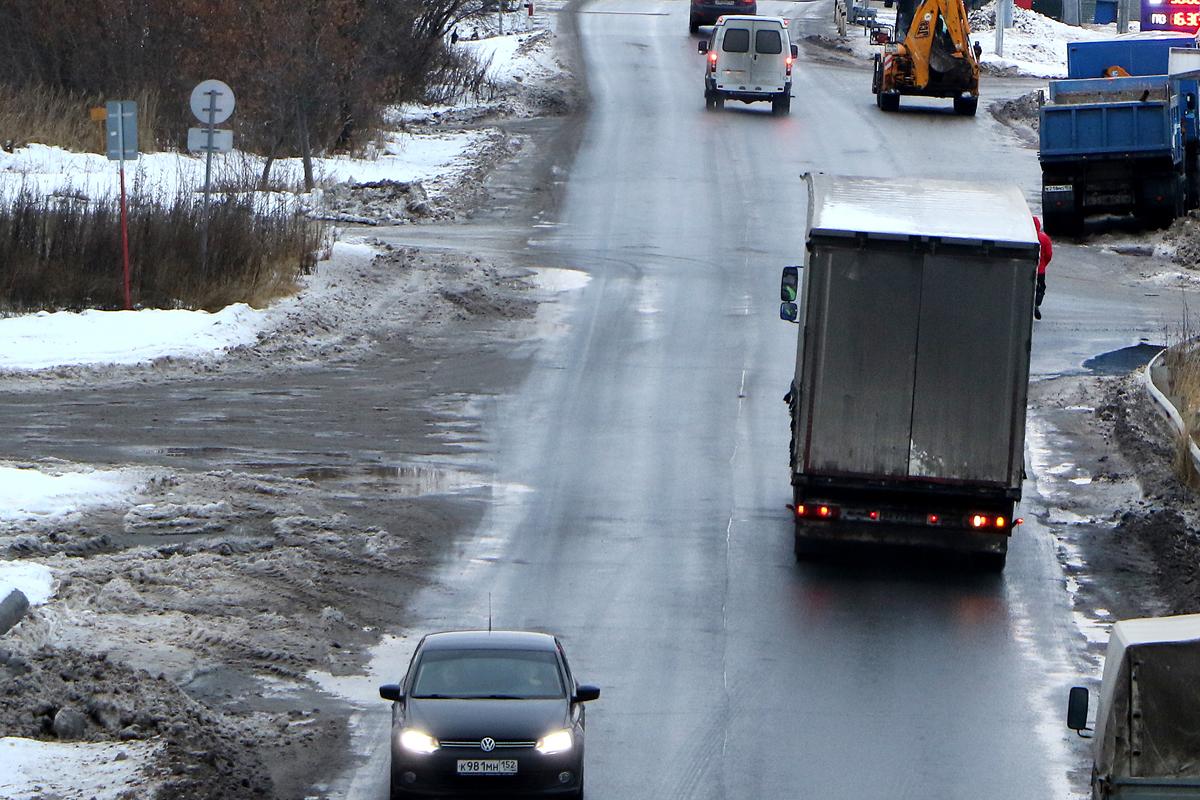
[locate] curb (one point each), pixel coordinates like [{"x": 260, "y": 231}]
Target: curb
[
  {"x": 1168, "y": 408},
  {"x": 12, "y": 609}
]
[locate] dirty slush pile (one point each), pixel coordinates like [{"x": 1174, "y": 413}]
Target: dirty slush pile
[
  {"x": 1165, "y": 526},
  {"x": 196, "y": 618}
]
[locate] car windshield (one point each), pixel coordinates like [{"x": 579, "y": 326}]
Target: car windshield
[{"x": 479, "y": 674}]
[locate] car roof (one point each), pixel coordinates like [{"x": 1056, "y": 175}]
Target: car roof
[
  {"x": 489, "y": 640},
  {"x": 750, "y": 18}
]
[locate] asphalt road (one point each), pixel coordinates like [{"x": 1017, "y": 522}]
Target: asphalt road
[
  {"x": 645, "y": 457},
  {"x": 652, "y": 440}
]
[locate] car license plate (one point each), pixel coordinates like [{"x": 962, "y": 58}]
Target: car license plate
[{"x": 487, "y": 766}]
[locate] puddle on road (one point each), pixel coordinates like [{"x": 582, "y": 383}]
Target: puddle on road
[
  {"x": 406, "y": 480},
  {"x": 1119, "y": 362}
]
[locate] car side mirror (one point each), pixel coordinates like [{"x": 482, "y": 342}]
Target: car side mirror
[
  {"x": 585, "y": 694},
  {"x": 391, "y": 691},
  {"x": 789, "y": 285},
  {"x": 1077, "y": 709},
  {"x": 702, "y": 46},
  {"x": 795, "y": 51}
]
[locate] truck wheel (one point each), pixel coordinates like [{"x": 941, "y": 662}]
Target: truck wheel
[
  {"x": 990, "y": 562},
  {"x": 693, "y": 24},
  {"x": 889, "y": 101},
  {"x": 966, "y": 106},
  {"x": 719, "y": 101},
  {"x": 809, "y": 550},
  {"x": 1062, "y": 223}
]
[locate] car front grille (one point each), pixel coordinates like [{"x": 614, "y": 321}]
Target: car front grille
[{"x": 474, "y": 744}]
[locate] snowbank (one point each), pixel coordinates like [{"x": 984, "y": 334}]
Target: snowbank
[
  {"x": 27, "y": 493},
  {"x": 75, "y": 771},
  {"x": 1035, "y": 44},
  {"x": 34, "y": 581},
  {"x": 38, "y": 341}
]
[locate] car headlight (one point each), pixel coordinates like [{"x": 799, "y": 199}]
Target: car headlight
[
  {"x": 557, "y": 742},
  {"x": 415, "y": 741}
]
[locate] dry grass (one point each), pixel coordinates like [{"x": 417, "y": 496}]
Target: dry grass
[
  {"x": 64, "y": 252},
  {"x": 1182, "y": 361},
  {"x": 55, "y": 117}
]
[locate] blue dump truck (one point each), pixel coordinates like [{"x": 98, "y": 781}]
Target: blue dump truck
[{"x": 1118, "y": 136}]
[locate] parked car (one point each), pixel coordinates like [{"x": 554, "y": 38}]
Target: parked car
[
  {"x": 707, "y": 12},
  {"x": 749, "y": 59},
  {"x": 487, "y": 713}
]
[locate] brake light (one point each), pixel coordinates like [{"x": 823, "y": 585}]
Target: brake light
[
  {"x": 818, "y": 512},
  {"x": 933, "y": 519},
  {"x": 874, "y": 515},
  {"x": 787, "y": 62},
  {"x": 801, "y": 510},
  {"x": 978, "y": 521}
]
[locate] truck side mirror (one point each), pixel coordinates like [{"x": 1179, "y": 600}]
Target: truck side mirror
[
  {"x": 702, "y": 46},
  {"x": 880, "y": 37},
  {"x": 789, "y": 312},
  {"x": 1077, "y": 709},
  {"x": 789, "y": 284},
  {"x": 796, "y": 53}
]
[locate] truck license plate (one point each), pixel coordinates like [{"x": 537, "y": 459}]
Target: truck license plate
[{"x": 487, "y": 766}]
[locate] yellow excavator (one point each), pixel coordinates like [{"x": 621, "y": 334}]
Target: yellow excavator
[{"x": 930, "y": 56}]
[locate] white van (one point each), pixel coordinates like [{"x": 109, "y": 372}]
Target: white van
[{"x": 749, "y": 59}]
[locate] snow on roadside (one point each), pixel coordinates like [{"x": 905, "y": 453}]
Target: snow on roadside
[
  {"x": 31, "y": 493},
  {"x": 34, "y": 581},
  {"x": 1035, "y": 44},
  {"x": 76, "y": 771},
  {"x": 45, "y": 339}
]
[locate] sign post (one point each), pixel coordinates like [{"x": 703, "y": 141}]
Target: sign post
[
  {"x": 212, "y": 103},
  {"x": 121, "y": 136}
]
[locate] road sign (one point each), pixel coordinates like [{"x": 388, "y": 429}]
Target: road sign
[
  {"x": 121, "y": 130},
  {"x": 198, "y": 142},
  {"x": 212, "y": 102}
]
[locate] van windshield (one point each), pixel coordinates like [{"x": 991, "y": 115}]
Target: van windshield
[
  {"x": 737, "y": 40},
  {"x": 768, "y": 43}
]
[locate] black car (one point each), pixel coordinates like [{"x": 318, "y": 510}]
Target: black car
[
  {"x": 488, "y": 713},
  {"x": 707, "y": 12}
]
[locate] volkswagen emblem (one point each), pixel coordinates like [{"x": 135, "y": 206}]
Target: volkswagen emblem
[{"x": 488, "y": 744}]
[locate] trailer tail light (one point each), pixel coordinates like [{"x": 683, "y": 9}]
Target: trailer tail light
[
  {"x": 933, "y": 519},
  {"x": 982, "y": 521},
  {"x": 874, "y": 516},
  {"x": 821, "y": 511}
]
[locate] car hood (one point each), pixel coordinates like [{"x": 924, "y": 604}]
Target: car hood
[{"x": 503, "y": 720}]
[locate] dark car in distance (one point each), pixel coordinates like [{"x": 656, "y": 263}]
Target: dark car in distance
[
  {"x": 707, "y": 12},
  {"x": 488, "y": 713}
]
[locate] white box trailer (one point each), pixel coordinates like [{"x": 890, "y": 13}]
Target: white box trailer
[
  {"x": 912, "y": 365},
  {"x": 1147, "y": 735}
]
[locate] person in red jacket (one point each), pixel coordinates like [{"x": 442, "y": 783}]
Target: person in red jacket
[{"x": 1045, "y": 253}]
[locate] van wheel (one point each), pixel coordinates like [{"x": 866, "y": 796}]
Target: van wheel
[
  {"x": 966, "y": 106},
  {"x": 719, "y": 101},
  {"x": 693, "y": 25},
  {"x": 710, "y": 102}
]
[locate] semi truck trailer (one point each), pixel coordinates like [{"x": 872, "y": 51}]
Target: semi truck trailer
[{"x": 907, "y": 405}]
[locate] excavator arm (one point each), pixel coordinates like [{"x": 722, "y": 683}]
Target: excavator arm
[{"x": 937, "y": 43}]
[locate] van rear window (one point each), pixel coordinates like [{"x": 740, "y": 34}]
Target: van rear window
[
  {"x": 737, "y": 40},
  {"x": 768, "y": 43}
]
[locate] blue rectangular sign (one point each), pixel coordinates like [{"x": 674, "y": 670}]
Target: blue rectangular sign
[{"x": 121, "y": 130}]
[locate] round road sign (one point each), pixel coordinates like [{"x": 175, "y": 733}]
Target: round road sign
[{"x": 212, "y": 96}]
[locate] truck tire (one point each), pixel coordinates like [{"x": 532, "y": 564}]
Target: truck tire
[
  {"x": 966, "y": 106},
  {"x": 807, "y": 549},
  {"x": 990, "y": 562},
  {"x": 889, "y": 101},
  {"x": 1062, "y": 223}
]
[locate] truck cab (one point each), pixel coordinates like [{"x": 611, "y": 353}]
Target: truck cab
[{"x": 1146, "y": 741}]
